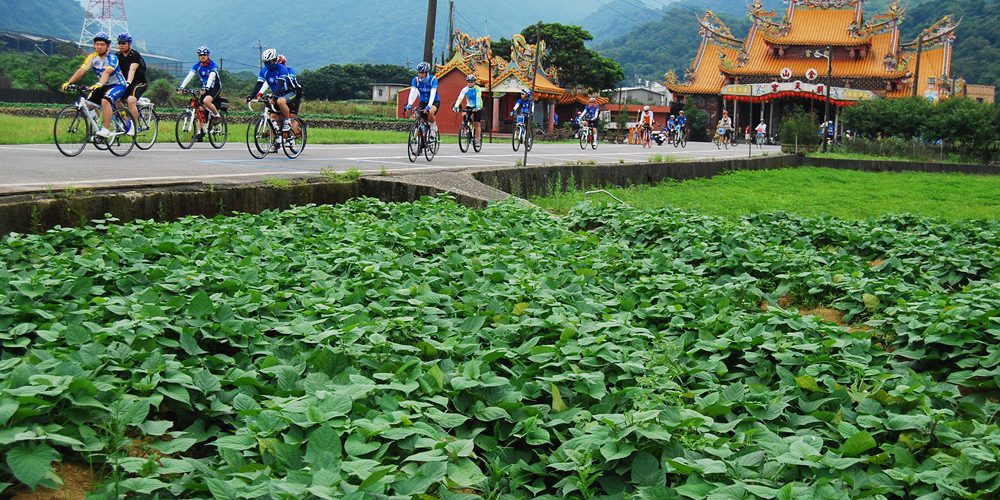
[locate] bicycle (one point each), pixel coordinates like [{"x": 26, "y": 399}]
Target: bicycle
[
  {"x": 587, "y": 137},
  {"x": 467, "y": 134},
  {"x": 263, "y": 137},
  {"x": 421, "y": 140},
  {"x": 721, "y": 139},
  {"x": 192, "y": 121},
  {"x": 760, "y": 140},
  {"x": 149, "y": 123},
  {"x": 76, "y": 125},
  {"x": 522, "y": 135},
  {"x": 680, "y": 137},
  {"x": 647, "y": 137}
]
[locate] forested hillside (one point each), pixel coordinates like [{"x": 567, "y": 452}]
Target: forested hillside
[{"x": 61, "y": 18}]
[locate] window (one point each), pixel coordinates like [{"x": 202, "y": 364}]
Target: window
[
  {"x": 979, "y": 99},
  {"x": 381, "y": 92}
]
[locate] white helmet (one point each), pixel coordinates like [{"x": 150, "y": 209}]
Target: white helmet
[
  {"x": 645, "y": 108},
  {"x": 269, "y": 56}
]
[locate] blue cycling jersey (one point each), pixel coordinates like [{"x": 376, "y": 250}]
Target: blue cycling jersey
[
  {"x": 279, "y": 78},
  {"x": 591, "y": 112},
  {"x": 682, "y": 120},
  {"x": 209, "y": 74},
  {"x": 426, "y": 86},
  {"x": 524, "y": 106}
]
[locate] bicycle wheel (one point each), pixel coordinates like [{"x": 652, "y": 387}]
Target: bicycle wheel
[
  {"x": 218, "y": 132},
  {"x": 186, "y": 130},
  {"x": 264, "y": 138},
  {"x": 124, "y": 126},
  {"x": 529, "y": 140},
  {"x": 515, "y": 140},
  {"x": 464, "y": 138},
  {"x": 413, "y": 144},
  {"x": 71, "y": 131},
  {"x": 149, "y": 128},
  {"x": 430, "y": 146},
  {"x": 583, "y": 139},
  {"x": 294, "y": 142}
]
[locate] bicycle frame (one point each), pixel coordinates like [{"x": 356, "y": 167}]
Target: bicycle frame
[
  {"x": 194, "y": 111},
  {"x": 91, "y": 111}
]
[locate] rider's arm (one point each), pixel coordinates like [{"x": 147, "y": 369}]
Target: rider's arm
[
  {"x": 414, "y": 93},
  {"x": 188, "y": 78},
  {"x": 77, "y": 75},
  {"x": 105, "y": 75},
  {"x": 257, "y": 88},
  {"x": 461, "y": 95},
  {"x": 211, "y": 79},
  {"x": 433, "y": 97},
  {"x": 131, "y": 72}
]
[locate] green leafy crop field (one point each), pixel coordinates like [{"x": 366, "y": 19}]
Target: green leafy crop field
[{"x": 377, "y": 350}]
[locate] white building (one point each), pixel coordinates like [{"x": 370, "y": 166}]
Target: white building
[{"x": 386, "y": 92}]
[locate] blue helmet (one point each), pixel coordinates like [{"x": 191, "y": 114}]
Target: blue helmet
[
  {"x": 471, "y": 79},
  {"x": 203, "y": 51},
  {"x": 103, "y": 37},
  {"x": 124, "y": 37},
  {"x": 424, "y": 67}
]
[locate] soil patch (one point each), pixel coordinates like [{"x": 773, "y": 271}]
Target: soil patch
[{"x": 77, "y": 479}]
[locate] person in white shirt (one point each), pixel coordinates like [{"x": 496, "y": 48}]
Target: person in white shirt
[{"x": 761, "y": 132}]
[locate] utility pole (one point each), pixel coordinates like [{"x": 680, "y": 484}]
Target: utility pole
[
  {"x": 829, "y": 81},
  {"x": 534, "y": 98},
  {"x": 451, "y": 29},
  {"x": 916, "y": 71},
  {"x": 260, "y": 53},
  {"x": 432, "y": 6}
]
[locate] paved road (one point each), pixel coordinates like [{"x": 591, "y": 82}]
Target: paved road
[{"x": 41, "y": 167}]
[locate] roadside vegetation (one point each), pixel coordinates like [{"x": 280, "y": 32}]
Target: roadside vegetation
[{"x": 810, "y": 192}]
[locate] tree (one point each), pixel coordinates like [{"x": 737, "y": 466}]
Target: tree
[
  {"x": 350, "y": 81},
  {"x": 576, "y": 64}
]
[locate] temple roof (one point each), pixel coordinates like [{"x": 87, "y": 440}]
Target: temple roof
[
  {"x": 717, "y": 44},
  {"x": 813, "y": 26},
  {"x": 474, "y": 56}
]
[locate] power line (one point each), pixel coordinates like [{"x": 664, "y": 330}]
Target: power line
[{"x": 469, "y": 23}]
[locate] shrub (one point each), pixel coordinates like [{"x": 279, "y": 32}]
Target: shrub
[{"x": 800, "y": 128}]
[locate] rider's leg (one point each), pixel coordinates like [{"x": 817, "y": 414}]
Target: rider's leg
[
  {"x": 285, "y": 115},
  {"x": 131, "y": 101},
  {"x": 209, "y": 103},
  {"x": 432, "y": 118},
  {"x": 106, "y": 111}
]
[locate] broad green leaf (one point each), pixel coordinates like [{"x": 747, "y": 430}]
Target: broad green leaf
[
  {"x": 858, "y": 444},
  {"x": 31, "y": 463},
  {"x": 557, "y": 402},
  {"x": 143, "y": 485}
]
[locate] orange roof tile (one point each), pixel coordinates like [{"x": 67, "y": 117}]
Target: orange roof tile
[
  {"x": 811, "y": 26},
  {"x": 761, "y": 62},
  {"x": 572, "y": 97},
  {"x": 707, "y": 79},
  {"x": 932, "y": 65}
]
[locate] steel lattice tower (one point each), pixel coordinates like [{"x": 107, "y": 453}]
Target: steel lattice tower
[{"x": 103, "y": 15}]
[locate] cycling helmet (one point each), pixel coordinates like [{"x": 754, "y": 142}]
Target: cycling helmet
[
  {"x": 725, "y": 111},
  {"x": 645, "y": 108},
  {"x": 526, "y": 92},
  {"x": 470, "y": 79},
  {"x": 203, "y": 51},
  {"x": 124, "y": 37},
  {"x": 424, "y": 67},
  {"x": 682, "y": 112},
  {"x": 671, "y": 116},
  {"x": 102, "y": 37},
  {"x": 269, "y": 56},
  {"x": 282, "y": 59},
  {"x": 593, "y": 99}
]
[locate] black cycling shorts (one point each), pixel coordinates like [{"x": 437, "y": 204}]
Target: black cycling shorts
[
  {"x": 135, "y": 90},
  {"x": 477, "y": 115},
  {"x": 437, "y": 104},
  {"x": 213, "y": 92}
]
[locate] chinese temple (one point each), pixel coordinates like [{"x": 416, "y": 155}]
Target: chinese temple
[
  {"x": 500, "y": 78},
  {"x": 782, "y": 62}
]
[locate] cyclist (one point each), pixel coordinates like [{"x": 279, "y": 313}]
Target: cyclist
[
  {"x": 211, "y": 83},
  {"x": 110, "y": 85},
  {"x": 590, "y": 114},
  {"x": 473, "y": 96},
  {"x": 682, "y": 124},
  {"x": 761, "y": 132},
  {"x": 725, "y": 127},
  {"x": 645, "y": 122},
  {"x": 287, "y": 93},
  {"x": 425, "y": 86},
  {"x": 133, "y": 66},
  {"x": 525, "y": 105}
]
